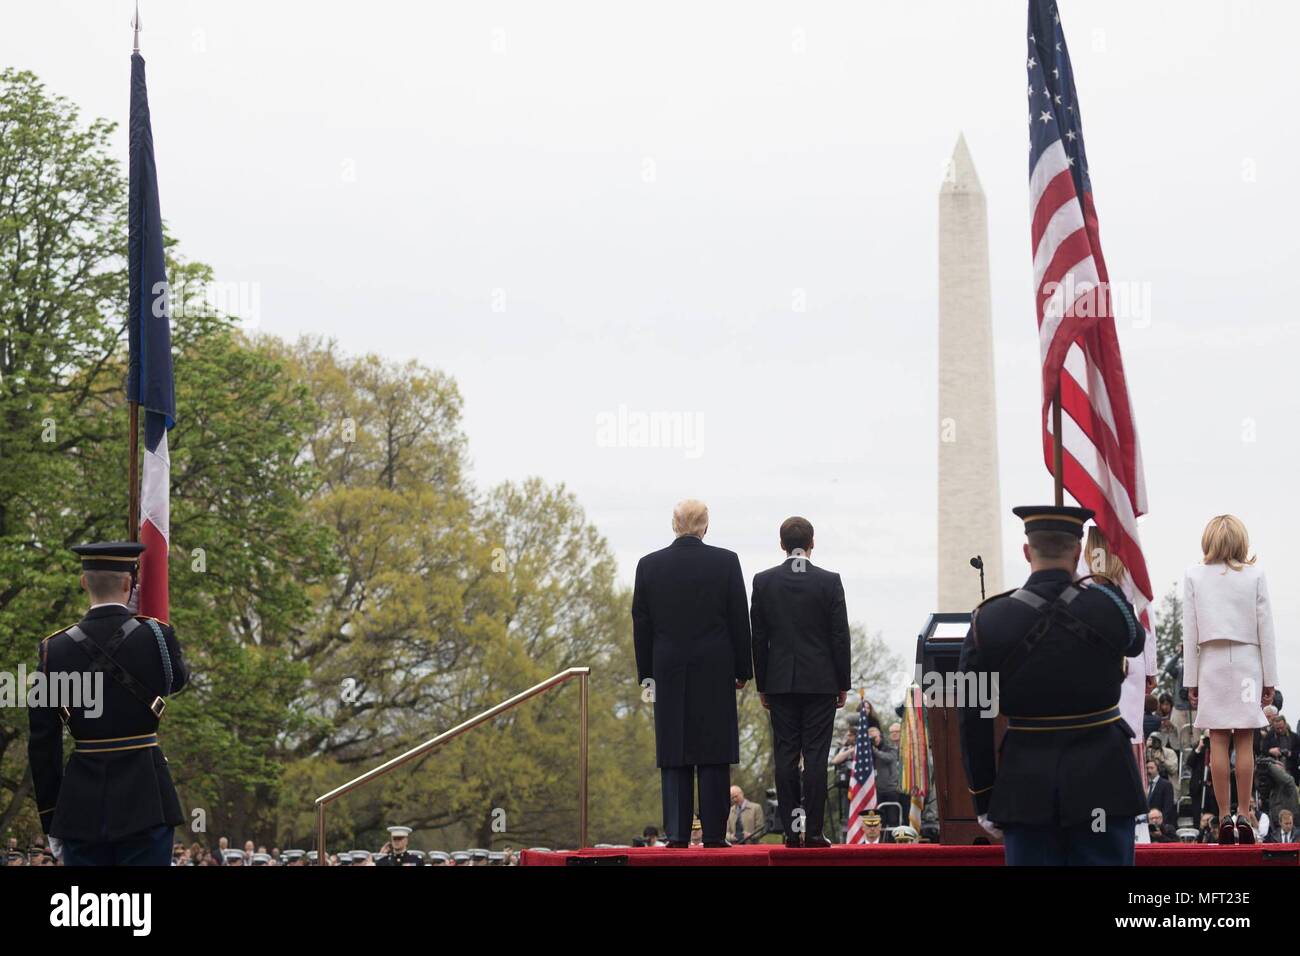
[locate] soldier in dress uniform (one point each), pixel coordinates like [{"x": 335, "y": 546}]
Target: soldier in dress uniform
[
  {"x": 113, "y": 803},
  {"x": 398, "y": 854},
  {"x": 1066, "y": 789}
]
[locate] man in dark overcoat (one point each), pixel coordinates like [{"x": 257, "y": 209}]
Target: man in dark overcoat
[{"x": 690, "y": 627}]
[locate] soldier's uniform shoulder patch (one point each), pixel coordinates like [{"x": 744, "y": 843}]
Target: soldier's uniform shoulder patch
[
  {"x": 994, "y": 597},
  {"x": 54, "y": 633}
]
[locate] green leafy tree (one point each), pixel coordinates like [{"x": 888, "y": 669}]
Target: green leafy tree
[
  {"x": 244, "y": 551},
  {"x": 446, "y": 604},
  {"x": 60, "y": 198},
  {"x": 1169, "y": 637}
]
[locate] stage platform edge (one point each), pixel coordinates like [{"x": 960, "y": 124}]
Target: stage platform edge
[{"x": 1172, "y": 854}]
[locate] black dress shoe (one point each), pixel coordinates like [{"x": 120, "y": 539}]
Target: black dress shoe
[
  {"x": 791, "y": 844},
  {"x": 710, "y": 845},
  {"x": 678, "y": 845},
  {"x": 819, "y": 842}
]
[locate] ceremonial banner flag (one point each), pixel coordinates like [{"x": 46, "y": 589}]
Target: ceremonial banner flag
[
  {"x": 149, "y": 378},
  {"x": 862, "y": 778},
  {"x": 914, "y": 753},
  {"x": 1079, "y": 348}
]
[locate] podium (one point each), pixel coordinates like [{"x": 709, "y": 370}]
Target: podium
[{"x": 938, "y": 648}]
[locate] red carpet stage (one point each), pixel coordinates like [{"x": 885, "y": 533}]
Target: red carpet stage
[{"x": 921, "y": 854}]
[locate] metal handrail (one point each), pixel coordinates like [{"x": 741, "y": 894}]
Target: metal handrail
[{"x": 582, "y": 673}]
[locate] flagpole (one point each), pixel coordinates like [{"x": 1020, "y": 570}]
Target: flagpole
[
  {"x": 1058, "y": 455},
  {"x": 133, "y": 474},
  {"x": 133, "y": 436}
]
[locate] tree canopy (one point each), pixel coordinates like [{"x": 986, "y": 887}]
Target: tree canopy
[{"x": 342, "y": 588}]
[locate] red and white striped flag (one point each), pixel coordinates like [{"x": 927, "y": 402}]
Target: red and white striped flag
[
  {"x": 862, "y": 779},
  {"x": 1102, "y": 463}
]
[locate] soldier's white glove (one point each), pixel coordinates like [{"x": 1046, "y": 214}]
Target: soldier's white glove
[
  {"x": 56, "y": 847},
  {"x": 133, "y": 602},
  {"x": 989, "y": 826}
]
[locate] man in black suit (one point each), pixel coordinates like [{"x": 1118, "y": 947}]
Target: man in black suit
[
  {"x": 114, "y": 803},
  {"x": 801, "y": 667},
  {"x": 1283, "y": 831},
  {"x": 1160, "y": 793},
  {"x": 690, "y": 628}
]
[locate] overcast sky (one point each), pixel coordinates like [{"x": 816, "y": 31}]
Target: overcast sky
[{"x": 728, "y": 211}]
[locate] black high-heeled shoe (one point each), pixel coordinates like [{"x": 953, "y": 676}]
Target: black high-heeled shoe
[
  {"x": 1245, "y": 832},
  {"x": 1227, "y": 831}
]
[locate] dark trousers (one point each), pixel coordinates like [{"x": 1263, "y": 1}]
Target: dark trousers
[
  {"x": 149, "y": 848},
  {"x": 1070, "y": 846},
  {"x": 801, "y": 727},
  {"x": 679, "y": 801}
]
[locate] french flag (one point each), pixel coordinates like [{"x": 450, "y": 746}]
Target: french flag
[{"x": 149, "y": 378}]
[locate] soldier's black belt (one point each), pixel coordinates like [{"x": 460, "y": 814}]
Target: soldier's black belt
[
  {"x": 1065, "y": 722},
  {"x": 114, "y": 744}
]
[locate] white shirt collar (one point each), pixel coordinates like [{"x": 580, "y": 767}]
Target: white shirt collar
[{"x": 110, "y": 604}]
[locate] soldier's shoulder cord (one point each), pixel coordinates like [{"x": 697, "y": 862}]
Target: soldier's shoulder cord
[
  {"x": 156, "y": 626},
  {"x": 1103, "y": 586}
]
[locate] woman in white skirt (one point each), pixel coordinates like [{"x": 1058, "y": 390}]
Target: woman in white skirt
[{"x": 1229, "y": 661}]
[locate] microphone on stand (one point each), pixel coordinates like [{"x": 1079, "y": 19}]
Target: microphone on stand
[{"x": 978, "y": 563}]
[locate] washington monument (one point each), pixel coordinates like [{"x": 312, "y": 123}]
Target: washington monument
[{"x": 969, "y": 503}]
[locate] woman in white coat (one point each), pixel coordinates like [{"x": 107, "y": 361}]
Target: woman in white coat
[{"x": 1230, "y": 662}]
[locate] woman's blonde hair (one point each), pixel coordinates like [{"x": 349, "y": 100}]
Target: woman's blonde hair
[
  {"x": 1103, "y": 563},
  {"x": 1225, "y": 541}
]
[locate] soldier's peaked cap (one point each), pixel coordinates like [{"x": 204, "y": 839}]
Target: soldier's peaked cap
[
  {"x": 1054, "y": 518},
  {"x": 110, "y": 555}
]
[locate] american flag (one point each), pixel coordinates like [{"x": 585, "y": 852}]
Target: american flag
[
  {"x": 1102, "y": 463},
  {"x": 862, "y": 779},
  {"x": 149, "y": 378}
]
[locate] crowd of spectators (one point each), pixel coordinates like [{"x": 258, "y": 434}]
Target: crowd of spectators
[
  {"x": 37, "y": 853},
  {"x": 1182, "y": 806}
]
